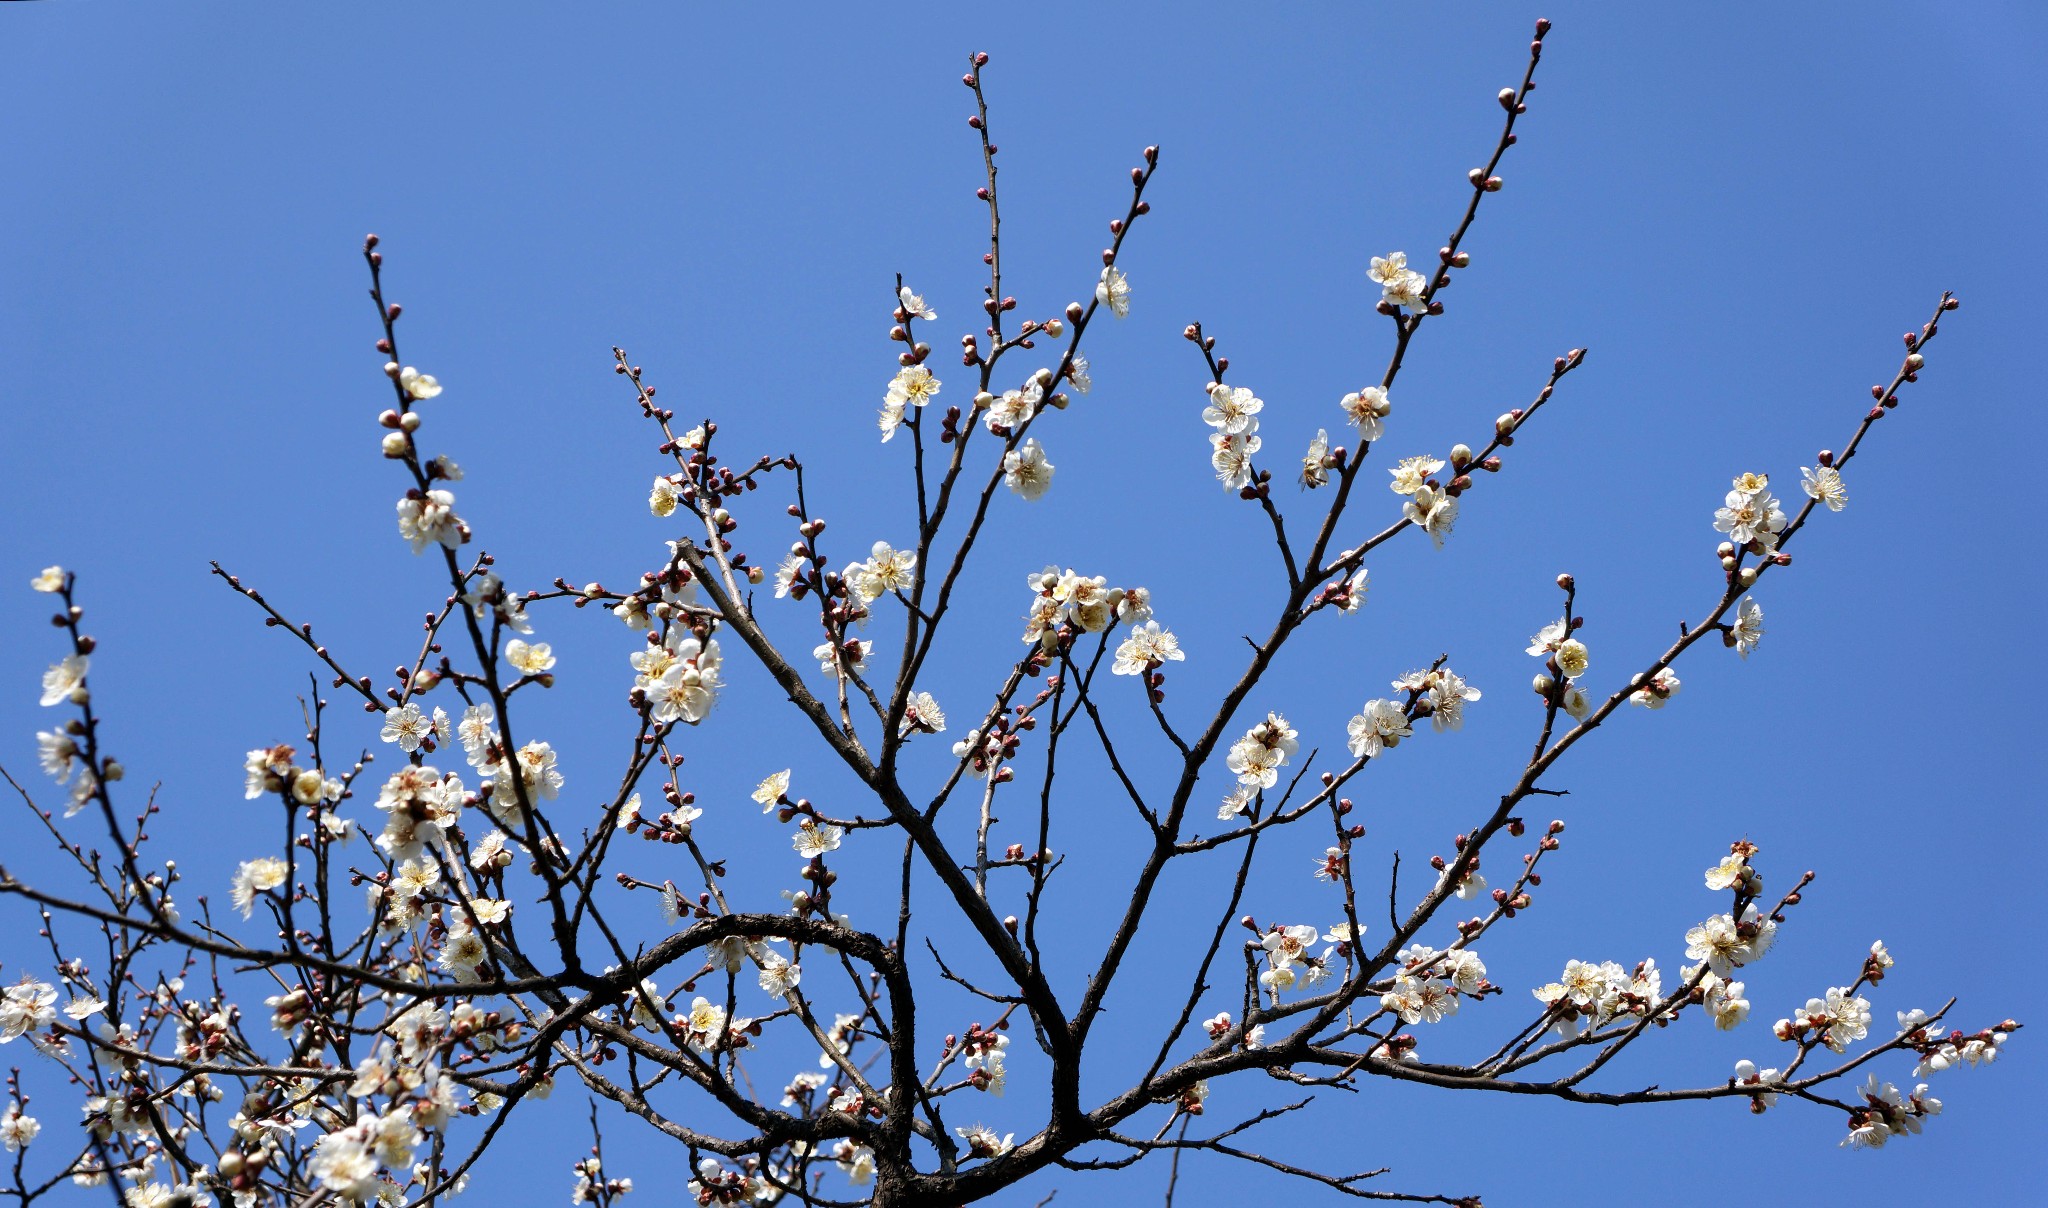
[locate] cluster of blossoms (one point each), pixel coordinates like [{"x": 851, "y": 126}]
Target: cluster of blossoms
[
  {"x": 1431, "y": 506},
  {"x": 428, "y": 518},
  {"x": 913, "y": 386},
  {"x": 593, "y": 1186},
  {"x": 671, "y": 490},
  {"x": 1219, "y": 1025},
  {"x": 1886, "y": 1114},
  {"x": 1838, "y": 1020},
  {"x": 680, "y": 676},
  {"x": 270, "y": 771},
  {"x": 1725, "y": 942},
  {"x": 1429, "y": 983},
  {"x": 1257, "y": 758},
  {"x": 1440, "y": 694},
  {"x": 1567, "y": 661},
  {"x": 1233, "y": 412},
  {"x": 1938, "y": 1054},
  {"x": 1290, "y": 965},
  {"x": 884, "y": 570},
  {"x": 1399, "y": 285},
  {"x": 1081, "y": 604},
  {"x": 1751, "y": 515},
  {"x": 17, "y": 1130},
  {"x": 982, "y": 1052},
  {"x": 27, "y": 1008},
  {"x": 715, "y": 1184},
  {"x": 1591, "y": 996}
]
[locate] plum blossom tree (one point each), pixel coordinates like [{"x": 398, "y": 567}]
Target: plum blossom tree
[{"x": 428, "y": 951}]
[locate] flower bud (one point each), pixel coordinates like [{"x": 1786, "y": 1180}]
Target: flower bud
[
  {"x": 1055, "y": 328},
  {"x": 1543, "y": 685},
  {"x": 1505, "y": 424},
  {"x": 409, "y": 422},
  {"x": 1461, "y": 456},
  {"x": 395, "y": 444}
]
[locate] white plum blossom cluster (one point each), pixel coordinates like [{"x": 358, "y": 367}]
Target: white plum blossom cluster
[
  {"x": 1886, "y": 1114},
  {"x": 1837, "y": 1020},
  {"x": 913, "y": 386},
  {"x": 1568, "y": 660},
  {"x": 17, "y": 1130},
  {"x": 1955, "y": 1049},
  {"x": 27, "y": 1007},
  {"x": 884, "y": 570},
  {"x": 1440, "y": 694},
  {"x": 1726, "y": 943},
  {"x": 1590, "y": 996},
  {"x": 1257, "y": 758},
  {"x": 1399, "y": 285},
  {"x": 1429, "y": 983},
  {"x": 1007, "y": 413},
  {"x": 1084, "y": 604},
  {"x": 1430, "y": 505},
  {"x": 428, "y": 518},
  {"x": 1751, "y": 515},
  {"x": 1289, "y": 964},
  {"x": 1233, "y": 412}
]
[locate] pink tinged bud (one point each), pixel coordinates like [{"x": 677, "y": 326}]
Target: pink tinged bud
[{"x": 1507, "y": 98}]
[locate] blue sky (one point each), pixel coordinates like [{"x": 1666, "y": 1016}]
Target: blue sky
[{"x": 1738, "y": 215}]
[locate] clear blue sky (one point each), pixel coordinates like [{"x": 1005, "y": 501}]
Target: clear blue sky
[{"x": 1737, "y": 211}]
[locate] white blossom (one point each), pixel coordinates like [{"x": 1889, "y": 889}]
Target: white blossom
[
  {"x": 914, "y": 305},
  {"x": 65, "y": 680},
  {"x": 256, "y": 876},
  {"x": 1380, "y": 726},
  {"x": 1026, "y": 471},
  {"x": 1367, "y": 408},
  {"x": 1824, "y": 484},
  {"x": 425, "y": 518},
  {"x": 1147, "y": 647},
  {"x": 1114, "y": 291}
]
